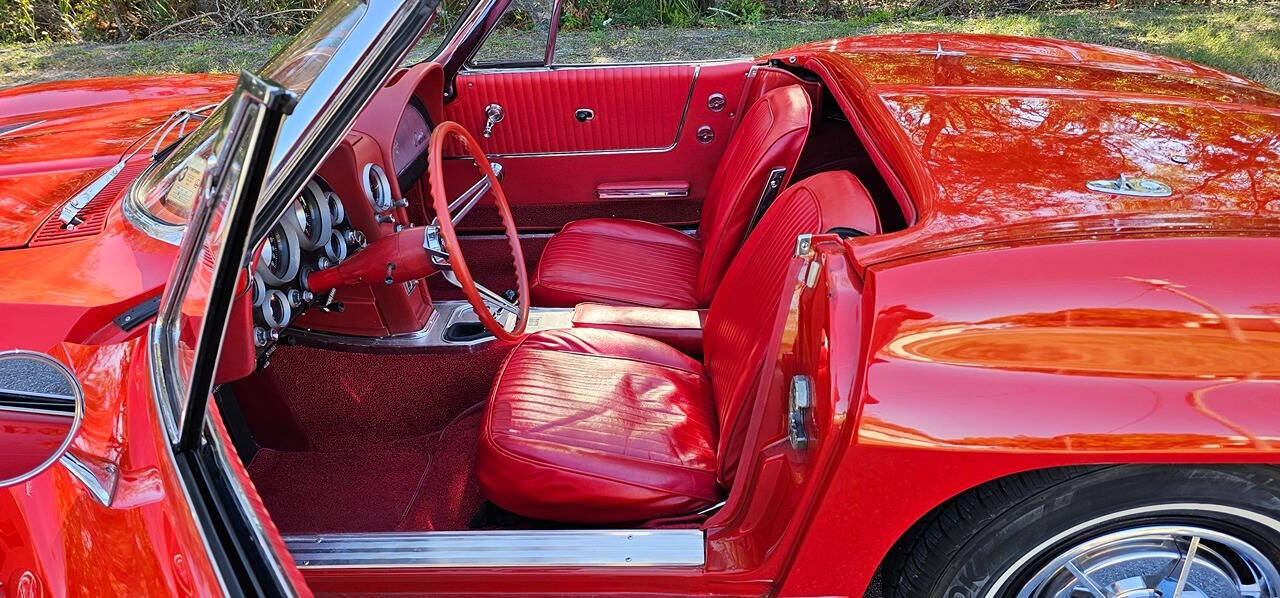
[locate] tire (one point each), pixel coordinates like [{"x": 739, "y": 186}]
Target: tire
[{"x": 1017, "y": 534}]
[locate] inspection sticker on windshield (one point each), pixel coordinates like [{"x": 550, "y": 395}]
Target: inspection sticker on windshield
[{"x": 186, "y": 188}]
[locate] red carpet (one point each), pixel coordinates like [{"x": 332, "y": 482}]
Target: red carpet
[{"x": 416, "y": 484}]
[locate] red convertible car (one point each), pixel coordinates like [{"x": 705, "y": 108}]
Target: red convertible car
[{"x": 927, "y": 315}]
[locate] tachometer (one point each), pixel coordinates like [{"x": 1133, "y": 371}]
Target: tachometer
[{"x": 312, "y": 217}]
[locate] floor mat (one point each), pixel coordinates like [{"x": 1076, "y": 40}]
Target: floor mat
[{"x": 420, "y": 484}]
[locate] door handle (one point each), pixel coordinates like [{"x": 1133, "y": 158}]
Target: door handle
[{"x": 493, "y": 114}]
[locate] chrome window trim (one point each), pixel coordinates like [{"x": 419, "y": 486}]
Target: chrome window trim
[
  {"x": 507, "y": 549},
  {"x": 142, "y": 220}
]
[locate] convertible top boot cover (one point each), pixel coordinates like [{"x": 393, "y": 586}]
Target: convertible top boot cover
[
  {"x": 599, "y": 426},
  {"x": 629, "y": 262}
]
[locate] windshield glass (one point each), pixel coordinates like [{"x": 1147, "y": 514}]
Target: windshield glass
[{"x": 164, "y": 196}]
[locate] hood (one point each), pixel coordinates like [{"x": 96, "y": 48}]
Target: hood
[
  {"x": 997, "y": 138},
  {"x": 55, "y": 138}
]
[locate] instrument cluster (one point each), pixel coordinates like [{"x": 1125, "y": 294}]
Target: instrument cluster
[{"x": 313, "y": 234}]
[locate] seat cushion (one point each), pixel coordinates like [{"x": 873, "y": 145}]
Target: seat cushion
[
  {"x": 618, "y": 262},
  {"x": 598, "y": 426}
]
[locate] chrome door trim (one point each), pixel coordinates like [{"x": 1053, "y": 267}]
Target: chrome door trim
[
  {"x": 643, "y": 193},
  {"x": 507, "y": 549},
  {"x": 684, "y": 117}
]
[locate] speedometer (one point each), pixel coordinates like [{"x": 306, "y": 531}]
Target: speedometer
[{"x": 280, "y": 256}]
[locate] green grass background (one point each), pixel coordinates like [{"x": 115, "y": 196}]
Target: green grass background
[{"x": 1241, "y": 38}]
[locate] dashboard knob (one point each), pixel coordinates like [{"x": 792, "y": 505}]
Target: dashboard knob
[
  {"x": 295, "y": 298},
  {"x": 261, "y": 337},
  {"x": 401, "y": 203},
  {"x": 323, "y": 263},
  {"x": 354, "y": 237},
  {"x": 308, "y": 296}
]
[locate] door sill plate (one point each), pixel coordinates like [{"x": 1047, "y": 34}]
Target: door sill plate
[{"x": 540, "y": 548}]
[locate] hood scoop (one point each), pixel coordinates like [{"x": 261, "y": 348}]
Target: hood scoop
[{"x": 1131, "y": 187}]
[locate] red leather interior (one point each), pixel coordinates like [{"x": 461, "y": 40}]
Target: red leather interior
[
  {"x": 680, "y": 328},
  {"x": 634, "y": 108},
  {"x": 596, "y": 426},
  {"x": 546, "y": 191},
  {"x": 600, "y": 426},
  {"x": 734, "y": 338},
  {"x": 618, "y": 262},
  {"x": 771, "y": 135}
]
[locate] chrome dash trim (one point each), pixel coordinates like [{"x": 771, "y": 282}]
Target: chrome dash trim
[
  {"x": 20, "y": 126},
  {"x": 539, "y": 548},
  {"x": 684, "y": 118}
]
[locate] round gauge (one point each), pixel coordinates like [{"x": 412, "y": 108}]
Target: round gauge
[
  {"x": 337, "y": 213},
  {"x": 259, "y": 290},
  {"x": 336, "y": 249},
  {"x": 312, "y": 217},
  {"x": 280, "y": 256},
  {"x": 377, "y": 187},
  {"x": 276, "y": 311}
]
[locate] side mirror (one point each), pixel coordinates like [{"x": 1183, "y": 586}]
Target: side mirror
[{"x": 41, "y": 404}]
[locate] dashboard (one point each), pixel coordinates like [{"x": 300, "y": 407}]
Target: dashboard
[
  {"x": 313, "y": 234},
  {"x": 351, "y": 202}
]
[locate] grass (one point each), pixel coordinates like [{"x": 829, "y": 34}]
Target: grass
[{"x": 1241, "y": 38}]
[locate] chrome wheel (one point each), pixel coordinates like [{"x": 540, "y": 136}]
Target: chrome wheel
[{"x": 1158, "y": 561}]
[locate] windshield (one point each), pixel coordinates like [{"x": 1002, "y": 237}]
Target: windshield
[{"x": 163, "y": 197}]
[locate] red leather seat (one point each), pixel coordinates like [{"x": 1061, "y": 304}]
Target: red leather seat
[
  {"x": 619, "y": 262},
  {"x": 600, "y": 426},
  {"x": 627, "y": 262}
]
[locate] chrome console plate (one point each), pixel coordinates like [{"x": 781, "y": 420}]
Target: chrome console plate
[
  {"x": 538, "y": 548},
  {"x": 444, "y": 314}
]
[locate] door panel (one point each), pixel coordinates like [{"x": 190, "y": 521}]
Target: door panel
[
  {"x": 633, "y": 107},
  {"x": 645, "y": 125}
]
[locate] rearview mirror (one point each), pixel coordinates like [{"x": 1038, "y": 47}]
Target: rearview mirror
[{"x": 41, "y": 404}]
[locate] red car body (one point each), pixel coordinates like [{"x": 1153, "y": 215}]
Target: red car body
[{"x": 1018, "y": 322}]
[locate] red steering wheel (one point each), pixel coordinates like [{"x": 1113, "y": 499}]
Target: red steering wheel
[{"x": 446, "y": 245}]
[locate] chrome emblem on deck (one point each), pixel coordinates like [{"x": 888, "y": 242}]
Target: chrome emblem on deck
[{"x": 1133, "y": 187}]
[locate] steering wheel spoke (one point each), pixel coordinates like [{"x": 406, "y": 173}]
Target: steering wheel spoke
[
  {"x": 460, "y": 207},
  {"x": 440, "y": 240}
]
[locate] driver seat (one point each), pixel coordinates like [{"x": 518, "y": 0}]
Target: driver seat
[
  {"x": 631, "y": 262},
  {"x": 599, "y": 426}
]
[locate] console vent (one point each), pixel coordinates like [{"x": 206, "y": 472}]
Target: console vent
[{"x": 94, "y": 214}]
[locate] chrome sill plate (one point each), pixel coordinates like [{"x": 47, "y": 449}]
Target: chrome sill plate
[{"x": 543, "y": 548}]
